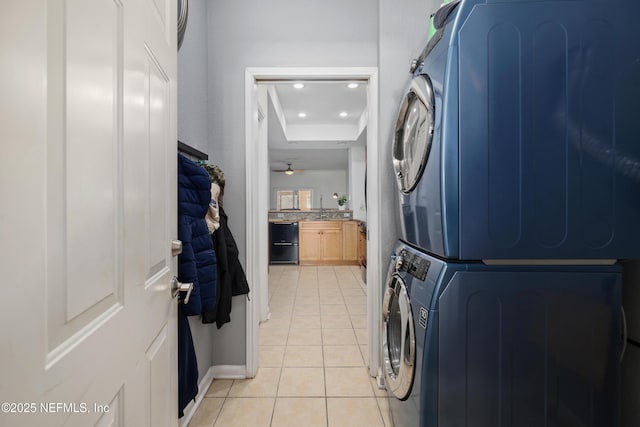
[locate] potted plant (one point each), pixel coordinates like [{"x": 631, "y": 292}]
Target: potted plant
[{"x": 342, "y": 200}]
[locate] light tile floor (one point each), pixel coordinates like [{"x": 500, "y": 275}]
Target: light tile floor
[{"x": 313, "y": 359}]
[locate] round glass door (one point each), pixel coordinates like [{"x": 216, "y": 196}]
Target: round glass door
[
  {"x": 183, "y": 13},
  {"x": 414, "y": 133},
  {"x": 399, "y": 342}
]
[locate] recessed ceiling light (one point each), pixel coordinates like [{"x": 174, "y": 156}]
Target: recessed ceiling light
[
  {"x": 343, "y": 114},
  {"x": 302, "y": 115},
  {"x": 298, "y": 85},
  {"x": 353, "y": 85}
]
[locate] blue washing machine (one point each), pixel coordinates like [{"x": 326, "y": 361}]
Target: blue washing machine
[
  {"x": 518, "y": 135},
  {"x": 469, "y": 344}
]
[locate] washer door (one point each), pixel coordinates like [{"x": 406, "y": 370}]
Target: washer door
[
  {"x": 183, "y": 13},
  {"x": 398, "y": 339},
  {"x": 414, "y": 133}
]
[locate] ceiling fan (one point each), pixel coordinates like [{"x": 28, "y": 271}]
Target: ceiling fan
[{"x": 288, "y": 170}]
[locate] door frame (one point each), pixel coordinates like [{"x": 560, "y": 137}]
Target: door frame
[{"x": 257, "y": 202}]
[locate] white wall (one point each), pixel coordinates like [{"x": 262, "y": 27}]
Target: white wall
[
  {"x": 323, "y": 183},
  {"x": 277, "y": 33},
  {"x": 357, "y": 170},
  {"x": 192, "y": 79}
]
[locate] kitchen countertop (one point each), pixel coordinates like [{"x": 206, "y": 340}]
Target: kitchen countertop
[
  {"x": 312, "y": 220},
  {"x": 310, "y": 215}
]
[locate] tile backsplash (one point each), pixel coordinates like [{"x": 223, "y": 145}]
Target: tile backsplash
[{"x": 310, "y": 215}]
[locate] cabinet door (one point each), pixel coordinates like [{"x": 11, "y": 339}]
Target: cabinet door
[
  {"x": 309, "y": 245},
  {"x": 350, "y": 241},
  {"x": 331, "y": 245}
]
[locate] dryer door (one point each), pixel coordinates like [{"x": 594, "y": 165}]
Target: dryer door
[
  {"x": 398, "y": 339},
  {"x": 414, "y": 133}
]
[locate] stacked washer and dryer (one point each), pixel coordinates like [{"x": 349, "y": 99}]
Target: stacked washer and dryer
[{"x": 517, "y": 157}]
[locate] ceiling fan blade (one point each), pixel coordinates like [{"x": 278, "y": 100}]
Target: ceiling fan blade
[{"x": 288, "y": 170}]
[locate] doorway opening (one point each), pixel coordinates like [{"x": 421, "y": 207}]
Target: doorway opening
[{"x": 258, "y": 196}]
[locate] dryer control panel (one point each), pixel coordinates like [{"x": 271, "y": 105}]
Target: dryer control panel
[{"x": 413, "y": 264}]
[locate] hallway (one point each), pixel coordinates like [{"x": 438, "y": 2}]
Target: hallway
[{"x": 313, "y": 356}]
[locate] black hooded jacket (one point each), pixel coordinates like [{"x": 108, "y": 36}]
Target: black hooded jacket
[{"x": 231, "y": 278}]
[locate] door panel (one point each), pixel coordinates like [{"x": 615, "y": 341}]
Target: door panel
[
  {"x": 83, "y": 239},
  {"x": 157, "y": 102},
  {"x": 114, "y": 417},
  {"x": 159, "y": 361},
  {"x": 151, "y": 179},
  {"x": 91, "y": 111},
  {"x": 89, "y": 211},
  {"x": 309, "y": 248},
  {"x": 331, "y": 245}
]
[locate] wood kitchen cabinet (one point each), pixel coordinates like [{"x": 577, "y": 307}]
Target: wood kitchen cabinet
[
  {"x": 309, "y": 244},
  {"x": 320, "y": 242},
  {"x": 328, "y": 242},
  {"x": 350, "y": 241}
]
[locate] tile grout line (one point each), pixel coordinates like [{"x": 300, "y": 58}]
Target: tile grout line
[
  {"x": 324, "y": 365},
  {"x": 286, "y": 346},
  {"x": 316, "y": 276}
]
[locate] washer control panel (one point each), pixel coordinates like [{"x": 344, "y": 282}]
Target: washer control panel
[{"x": 413, "y": 264}]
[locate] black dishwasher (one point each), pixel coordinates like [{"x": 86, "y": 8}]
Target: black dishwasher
[{"x": 284, "y": 242}]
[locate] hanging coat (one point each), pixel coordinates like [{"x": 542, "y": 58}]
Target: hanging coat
[
  {"x": 187, "y": 364},
  {"x": 197, "y": 265},
  {"x": 231, "y": 278}
]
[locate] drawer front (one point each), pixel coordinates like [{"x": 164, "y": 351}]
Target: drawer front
[{"x": 321, "y": 225}]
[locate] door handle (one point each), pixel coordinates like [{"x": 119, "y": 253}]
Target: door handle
[
  {"x": 283, "y": 244},
  {"x": 176, "y": 247},
  {"x": 177, "y": 287}
]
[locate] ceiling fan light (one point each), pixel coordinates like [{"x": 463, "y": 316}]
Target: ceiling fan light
[{"x": 288, "y": 172}]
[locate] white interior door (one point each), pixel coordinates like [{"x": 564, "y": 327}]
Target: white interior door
[{"x": 88, "y": 184}]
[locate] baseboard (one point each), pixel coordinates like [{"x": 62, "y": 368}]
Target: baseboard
[
  {"x": 192, "y": 407},
  {"x": 221, "y": 372},
  {"x": 229, "y": 372}
]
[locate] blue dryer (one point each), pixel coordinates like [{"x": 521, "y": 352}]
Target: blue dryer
[
  {"x": 518, "y": 135},
  {"x": 468, "y": 344}
]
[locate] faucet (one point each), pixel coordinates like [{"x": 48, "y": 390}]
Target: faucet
[{"x": 322, "y": 214}]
